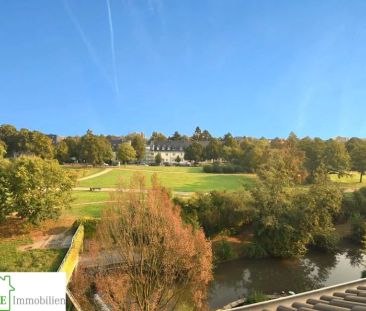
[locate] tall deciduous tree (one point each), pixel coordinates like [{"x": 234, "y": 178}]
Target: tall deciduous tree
[
  {"x": 314, "y": 154},
  {"x": 254, "y": 154},
  {"x": 138, "y": 143},
  {"x": 36, "y": 189},
  {"x": 274, "y": 230},
  {"x": 358, "y": 157},
  {"x": 287, "y": 222},
  {"x": 125, "y": 152},
  {"x": 352, "y": 142},
  {"x": 166, "y": 261},
  {"x": 34, "y": 143},
  {"x": 286, "y": 163},
  {"x": 194, "y": 152},
  {"x": 157, "y": 136},
  {"x": 230, "y": 141},
  {"x": 213, "y": 150},
  {"x": 197, "y": 134},
  {"x": 73, "y": 147},
  {"x": 231, "y": 148},
  {"x": 336, "y": 157},
  {"x": 319, "y": 207},
  {"x": 176, "y": 136},
  {"x": 62, "y": 152},
  {"x": 94, "y": 149},
  {"x": 9, "y": 135},
  {"x": 41, "y": 145},
  {"x": 206, "y": 136}
]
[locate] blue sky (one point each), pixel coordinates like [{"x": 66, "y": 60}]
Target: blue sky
[{"x": 259, "y": 68}]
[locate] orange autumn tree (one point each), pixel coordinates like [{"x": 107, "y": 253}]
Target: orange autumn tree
[{"x": 166, "y": 261}]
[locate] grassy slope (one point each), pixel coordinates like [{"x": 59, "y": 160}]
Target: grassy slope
[
  {"x": 12, "y": 259},
  {"x": 176, "y": 178},
  {"x": 86, "y": 204}
]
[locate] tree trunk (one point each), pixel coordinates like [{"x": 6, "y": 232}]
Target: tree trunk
[{"x": 361, "y": 177}]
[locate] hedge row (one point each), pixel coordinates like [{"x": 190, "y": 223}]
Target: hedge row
[{"x": 223, "y": 168}]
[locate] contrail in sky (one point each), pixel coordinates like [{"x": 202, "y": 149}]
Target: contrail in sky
[
  {"x": 111, "y": 31},
  {"x": 86, "y": 41}
]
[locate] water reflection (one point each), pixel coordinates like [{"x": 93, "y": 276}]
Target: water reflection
[{"x": 234, "y": 279}]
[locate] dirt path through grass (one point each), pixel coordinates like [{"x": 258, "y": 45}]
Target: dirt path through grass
[{"x": 96, "y": 174}]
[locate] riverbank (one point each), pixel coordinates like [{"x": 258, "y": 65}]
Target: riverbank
[
  {"x": 236, "y": 276},
  {"x": 234, "y": 279}
]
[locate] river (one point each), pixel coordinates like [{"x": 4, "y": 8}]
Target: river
[{"x": 234, "y": 279}]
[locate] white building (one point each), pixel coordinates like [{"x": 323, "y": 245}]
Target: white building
[{"x": 170, "y": 151}]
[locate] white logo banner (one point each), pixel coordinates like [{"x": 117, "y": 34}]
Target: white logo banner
[{"x": 32, "y": 291}]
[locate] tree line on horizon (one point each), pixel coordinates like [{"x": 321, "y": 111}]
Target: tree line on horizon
[
  {"x": 284, "y": 220},
  {"x": 228, "y": 154}
]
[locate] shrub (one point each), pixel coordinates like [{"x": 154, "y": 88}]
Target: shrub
[
  {"x": 223, "y": 250},
  {"x": 187, "y": 213},
  {"x": 358, "y": 224},
  {"x": 218, "y": 211},
  {"x": 226, "y": 168},
  {"x": 353, "y": 204},
  {"x": 348, "y": 207},
  {"x": 208, "y": 169},
  {"x": 254, "y": 250},
  {"x": 359, "y": 199},
  {"x": 255, "y": 296},
  {"x": 325, "y": 242}
]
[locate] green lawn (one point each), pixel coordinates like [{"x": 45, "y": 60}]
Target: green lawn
[
  {"x": 180, "y": 179},
  {"x": 88, "y": 196},
  {"x": 351, "y": 181},
  {"x": 12, "y": 259},
  {"x": 184, "y": 179},
  {"x": 87, "y": 204}
]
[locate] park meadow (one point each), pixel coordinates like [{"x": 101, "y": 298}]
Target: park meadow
[{"x": 230, "y": 197}]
